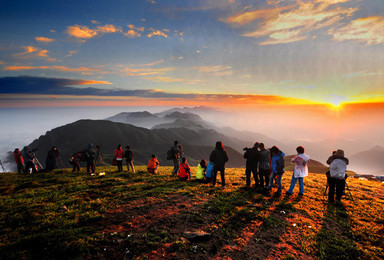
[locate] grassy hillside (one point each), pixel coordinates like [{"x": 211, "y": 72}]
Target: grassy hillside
[{"x": 143, "y": 216}]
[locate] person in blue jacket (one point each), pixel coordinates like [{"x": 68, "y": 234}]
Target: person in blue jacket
[
  {"x": 208, "y": 173},
  {"x": 277, "y": 166}
]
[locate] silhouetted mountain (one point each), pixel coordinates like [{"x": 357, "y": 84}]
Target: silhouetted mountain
[
  {"x": 195, "y": 110},
  {"x": 74, "y": 137},
  {"x": 370, "y": 161}
]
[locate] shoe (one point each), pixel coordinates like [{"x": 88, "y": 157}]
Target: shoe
[
  {"x": 223, "y": 187},
  {"x": 288, "y": 193},
  {"x": 301, "y": 194}
]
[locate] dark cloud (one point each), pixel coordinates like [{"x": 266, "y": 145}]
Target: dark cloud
[{"x": 59, "y": 86}]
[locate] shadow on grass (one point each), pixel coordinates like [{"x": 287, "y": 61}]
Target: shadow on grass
[{"x": 335, "y": 239}]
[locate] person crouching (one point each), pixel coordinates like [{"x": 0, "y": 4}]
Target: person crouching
[{"x": 153, "y": 164}]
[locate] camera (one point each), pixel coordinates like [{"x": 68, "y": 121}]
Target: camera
[{"x": 34, "y": 149}]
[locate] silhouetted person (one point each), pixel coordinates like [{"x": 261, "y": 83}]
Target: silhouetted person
[
  {"x": 219, "y": 157},
  {"x": 75, "y": 161},
  {"x": 264, "y": 166},
  {"x": 19, "y": 160},
  {"x": 50, "y": 163},
  {"x": 90, "y": 158},
  {"x": 176, "y": 152},
  {"x": 29, "y": 159},
  {"x": 337, "y": 168},
  {"x": 252, "y": 155},
  {"x": 128, "y": 154}
]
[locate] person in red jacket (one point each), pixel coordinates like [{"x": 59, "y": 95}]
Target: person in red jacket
[
  {"x": 153, "y": 164},
  {"x": 119, "y": 154},
  {"x": 19, "y": 160},
  {"x": 184, "y": 170}
]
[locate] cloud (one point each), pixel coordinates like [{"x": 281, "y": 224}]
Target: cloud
[
  {"x": 368, "y": 30},
  {"x": 108, "y": 28},
  {"x": 157, "y": 33},
  {"x": 58, "y": 86},
  {"x": 291, "y": 23},
  {"x": 33, "y": 52},
  {"x": 44, "y": 39},
  {"x": 132, "y": 34},
  {"x": 129, "y": 71},
  {"x": 82, "y": 32},
  {"x": 57, "y": 68},
  {"x": 73, "y": 52},
  {"x": 41, "y": 85}
]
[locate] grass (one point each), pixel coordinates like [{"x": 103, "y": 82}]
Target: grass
[{"x": 143, "y": 216}]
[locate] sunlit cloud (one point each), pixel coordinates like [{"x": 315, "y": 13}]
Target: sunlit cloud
[
  {"x": 73, "y": 52},
  {"x": 57, "y": 68},
  {"x": 291, "y": 23},
  {"x": 82, "y": 32},
  {"x": 368, "y": 30},
  {"x": 211, "y": 69},
  {"x": 157, "y": 33},
  {"x": 132, "y": 34},
  {"x": 95, "y": 22},
  {"x": 164, "y": 79},
  {"x": 108, "y": 28},
  {"x": 28, "y": 50},
  {"x": 44, "y": 39},
  {"x": 32, "y": 52}
]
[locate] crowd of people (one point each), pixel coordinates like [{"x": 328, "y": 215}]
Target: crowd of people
[{"x": 266, "y": 166}]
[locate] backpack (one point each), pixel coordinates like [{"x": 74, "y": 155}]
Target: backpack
[
  {"x": 170, "y": 154},
  {"x": 337, "y": 169},
  {"x": 280, "y": 164}
]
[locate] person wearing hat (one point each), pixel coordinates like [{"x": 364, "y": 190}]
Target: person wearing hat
[
  {"x": 336, "y": 180},
  {"x": 253, "y": 156}
]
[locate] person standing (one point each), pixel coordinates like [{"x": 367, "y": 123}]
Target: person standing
[
  {"x": 300, "y": 171},
  {"x": 50, "y": 162},
  {"x": 19, "y": 160},
  {"x": 277, "y": 166},
  {"x": 219, "y": 157},
  {"x": 176, "y": 152},
  {"x": 75, "y": 158},
  {"x": 128, "y": 154},
  {"x": 90, "y": 158},
  {"x": 29, "y": 159},
  {"x": 119, "y": 154},
  {"x": 264, "y": 166},
  {"x": 253, "y": 156},
  {"x": 337, "y": 177}
]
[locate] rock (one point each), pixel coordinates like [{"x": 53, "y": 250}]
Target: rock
[{"x": 197, "y": 236}]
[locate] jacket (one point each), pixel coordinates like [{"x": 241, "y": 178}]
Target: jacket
[
  {"x": 152, "y": 163},
  {"x": 301, "y": 165},
  {"x": 119, "y": 154},
  {"x": 275, "y": 159},
  {"x": 200, "y": 172},
  {"x": 253, "y": 156},
  {"x": 208, "y": 173},
  {"x": 219, "y": 158},
  {"x": 184, "y": 170},
  {"x": 128, "y": 155},
  {"x": 264, "y": 159}
]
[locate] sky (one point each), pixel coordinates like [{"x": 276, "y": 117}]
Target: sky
[
  {"x": 236, "y": 52},
  {"x": 295, "y": 68}
]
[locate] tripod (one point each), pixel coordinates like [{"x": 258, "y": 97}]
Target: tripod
[
  {"x": 2, "y": 166},
  {"x": 38, "y": 162}
]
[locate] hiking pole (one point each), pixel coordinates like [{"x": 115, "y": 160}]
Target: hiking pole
[
  {"x": 39, "y": 163},
  {"x": 2, "y": 166}
]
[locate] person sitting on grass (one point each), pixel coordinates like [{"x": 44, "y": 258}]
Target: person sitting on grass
[
  {"x": 153, "y": 164},
  {"x": 208, "y": 173},
  {"x": 201, "y": 169},
  {"x": 184, "y": 171}
]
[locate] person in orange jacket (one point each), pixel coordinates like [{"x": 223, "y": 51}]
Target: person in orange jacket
[
  {"x": 153, "y": 164},
  {"x": 184, "y": 170}
]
